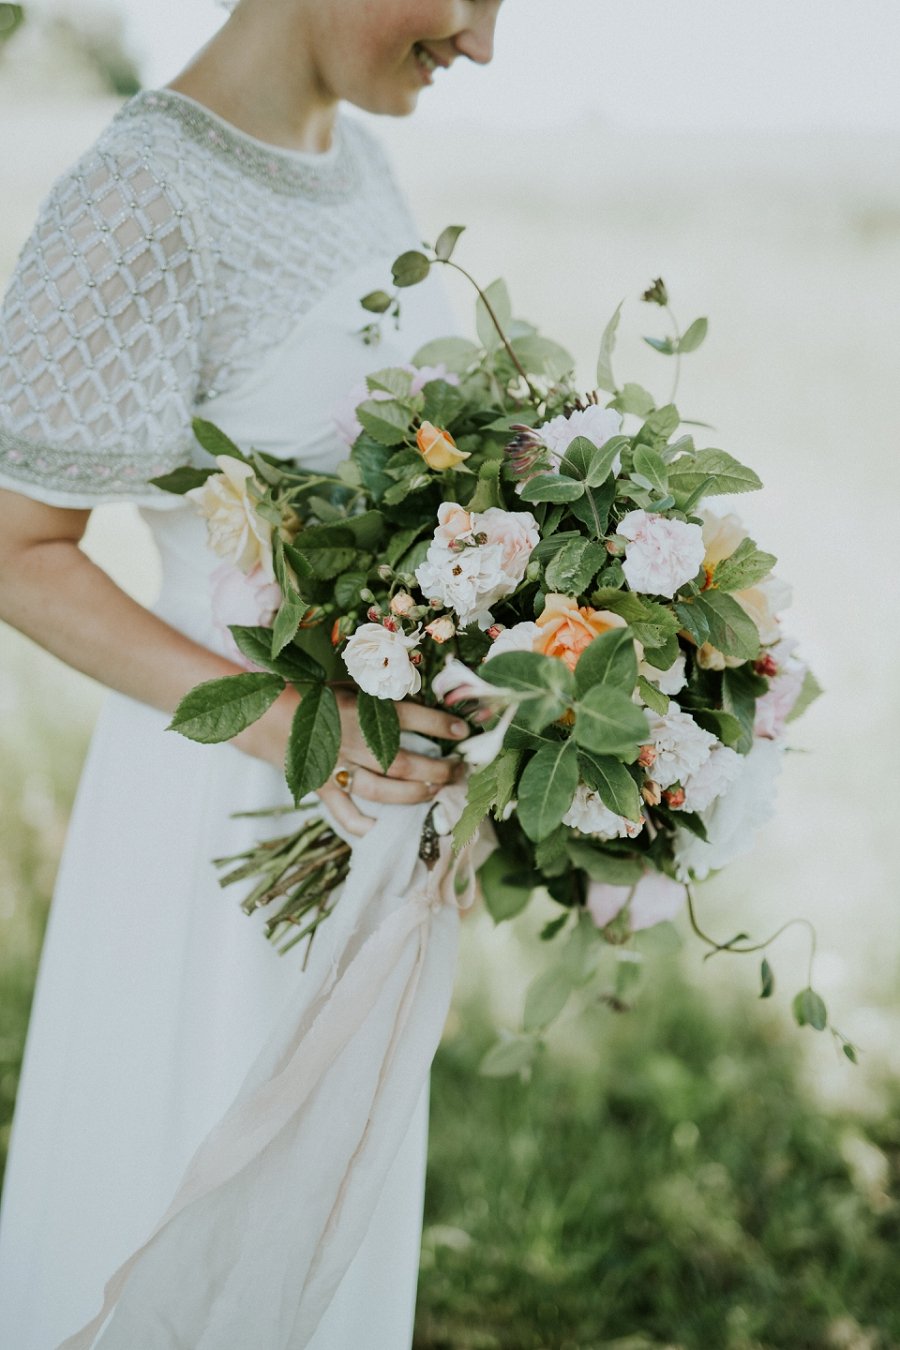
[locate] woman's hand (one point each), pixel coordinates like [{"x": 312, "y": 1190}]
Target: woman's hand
[{"x": 411, "y": 778}]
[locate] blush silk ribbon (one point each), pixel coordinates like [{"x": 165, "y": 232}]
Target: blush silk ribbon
[{"x": 278, "y": 1197}]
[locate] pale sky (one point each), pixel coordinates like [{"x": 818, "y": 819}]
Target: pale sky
[{"x": 775, "y": 64}]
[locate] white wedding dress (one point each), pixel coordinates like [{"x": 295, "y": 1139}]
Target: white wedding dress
[{"x": 184, "y": 268}]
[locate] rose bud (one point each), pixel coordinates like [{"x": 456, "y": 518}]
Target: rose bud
[
  {"x": 615, "y": 547},
  {"x": 647, "y": 757},
  {"x": 674, "y": 798},
  {"x": 313, "y": 616},
  {"x": 335, "y": 632},
  {"x": 651, "y": 793},
  {"x": 402, "y": 603},
  {"x": 373, "y": 613},
  {"x": 494, "y": 631},
  {"x": 766, "y": 665},
  {"x": 390, "y": 623},
  {"x": 386, "y": 572},
  {"x": 416, "y": 658},
  {"x": 438, "y": 448},
  {"x": 442, "y": 629}
]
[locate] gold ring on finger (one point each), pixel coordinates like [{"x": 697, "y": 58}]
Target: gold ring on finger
[{"x": 343, "y": 777}]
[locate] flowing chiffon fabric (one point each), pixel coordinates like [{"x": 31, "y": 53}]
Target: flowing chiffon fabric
[{"x": 181, "y": 1078}]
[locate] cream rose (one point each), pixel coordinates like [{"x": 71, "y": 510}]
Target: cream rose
[
  {"x": 762, "y": 602},
  {"x": 378, "y": 660},
  {"x": 476, "y": 558},
  {"x": 661, "y": 554},
  {"x": 590, "y": 815},
  {"x": 235, "y": 530}
]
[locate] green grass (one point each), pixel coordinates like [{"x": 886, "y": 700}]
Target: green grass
[{"x": 680, "y": 1191}]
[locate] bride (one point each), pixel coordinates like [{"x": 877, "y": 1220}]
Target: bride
[{"x": 206, "y": 257}]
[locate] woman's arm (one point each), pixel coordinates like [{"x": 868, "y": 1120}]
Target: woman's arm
[{"x": 53, "y": 593}]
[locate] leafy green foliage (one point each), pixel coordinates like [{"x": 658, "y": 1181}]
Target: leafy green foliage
[
  {"x": 481, "y": 796},
  {"x": 380, "y": 726},
  {"x": 719, "y": 473},
  {"x": 315, "y": 739},
  {"x": 546, "y": 788},
  {"x": 610, "y": 779},
  {"x": 607, "y": 722},
  {"x": 218, "y": 710},
  {"x": 504, "y": 896},
  {"x": 730, "y": 628},
  {"x": 609, "y": 659}
]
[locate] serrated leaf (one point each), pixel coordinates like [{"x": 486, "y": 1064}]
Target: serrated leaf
[
  {"x": 183, "y": 479},
  {"x": 370, "y": 457},
  {"x": 380, "y": 726},
  {"x": 607, "y": 722},
  {"x": 287, "y": 621},
  {"x": 347, "y": 588},
  {"x": 552, "y": 487},
  {"x": 386, "y": 421},
  {"x": 291, "y": 664},
  {"x": 546, "y": 789},
  {"x": 654, "y": 698},
  {"x": 576, "y": 562},
  {"x": 506, "y": 766},
  {"x": 545, "y": 998},
  {"x": 612, "y": 782},
  {"x": 480, "y": 797},
  {"x": 693, "y": 335},
  {"x": 218, "y": 710},
  {"x": 508, "y": 1057},
  {"x": 592, "y": 509},
  {"x": 497, "y": 297},
  {"x": 410, "y": 268},
  {"x": 214, "y": 440},
  {"x": 731, "y": 630},
  {"x": 314, "y": 742},
  {"x": 611, "y": 869},
  {"x": 728, "y": 475},
  {"x": 605, "y": 378},
  {"x": 743, "y": 568},
  {"x": 503, "y": 898},
  {"x": 609, "y": 659},
  {"x": 487, "y": 492},
  {"x": 446, "y": 241},
  {"x": 393, "y": 380}
]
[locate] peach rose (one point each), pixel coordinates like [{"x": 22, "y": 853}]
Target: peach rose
[
  {"x": 438, "y": 448},
  {"x": 567, "y": 628}
]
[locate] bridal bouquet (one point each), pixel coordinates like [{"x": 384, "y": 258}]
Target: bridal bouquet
[{"x": 546, "y": 563}]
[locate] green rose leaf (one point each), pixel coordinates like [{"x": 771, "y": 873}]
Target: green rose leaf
[
  {"x": 810, "y": 690},
  {"x": 571, "y": 569},
  {"x": 220, "y": 709},
  {"x": 610, "y": 659},
  {"x": 183, "y": 479},
  {"x": 724, "y": 725},
  {"x": 393, "y": 381},
  {"x": 314, "y": 742},
  {"x": 612, "y": 782},
  {"x": 503, "y": 897},
  {"x": 654, "y": 698},
  {"x": 410, "y": 268},
  {"x": 690, "y": 471},
  {"x": 731, "y": 630},
  {"x": 651, "y": 468},
  {"x": 741, "y": 687},
  {"x": 214, "y": 441},
  {"x": 607, "y": 722},
  {"x": 482, "y": 793},
  {"x": 634, "y": 398},
  {"x": 546, "y": 683},
  {"x": 287, "y": 621},
  {"x": 744, "y": 567},
  {"x": 385, "y": 420},
  {"x": 586, "y": 461},
  {"x": 540, "y": 356},
  {"x": 612, "y": 869},
  {"x": 545, "y": 998},
  {"x": 546, "y": 789},
  {"x": 552, "y": 487},
  {"x": 347, "y": 588},
  {"x": 380, "y": 726},
  {"x": 291, "y": 663}
]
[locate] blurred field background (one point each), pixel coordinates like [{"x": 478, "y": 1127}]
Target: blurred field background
[{"x": 697, "y": 1173}]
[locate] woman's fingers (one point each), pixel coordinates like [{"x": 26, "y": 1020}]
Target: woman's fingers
[
  {"x": 432, "y": 722},
  {"x": 425, "y": 768},
  {"x": 375, "y": 787},
  {"x": 345, "y": 812}
]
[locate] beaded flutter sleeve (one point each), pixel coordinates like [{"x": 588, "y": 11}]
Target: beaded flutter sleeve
[{"x": 99, "y": 338}]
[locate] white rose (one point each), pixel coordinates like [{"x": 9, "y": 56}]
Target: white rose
[
  {"x": 591, "y": 816},
  {"x": 714, "y": 777},
  {"x": 520, "y": 637},
  {"x": 733, "y": 819},
  {"x": 670, "y": 681},
  {"x": 469, "y": 577},
  {"x": 655, "y": 899},
  {"x": 662, "y": 554},
  {"x": 596, "y": 424},
  {"x": 235, "y": 530},
  {"x": 378, "y": 660},
  {"x": 681, "y": 746}
]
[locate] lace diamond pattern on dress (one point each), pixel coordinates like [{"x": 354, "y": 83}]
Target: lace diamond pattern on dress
[{"x": 162, "y": 270}]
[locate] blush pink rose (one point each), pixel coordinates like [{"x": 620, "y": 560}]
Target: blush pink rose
[
  {"x": 655, "y": 899},
  {"x": 249, "y": 599}
]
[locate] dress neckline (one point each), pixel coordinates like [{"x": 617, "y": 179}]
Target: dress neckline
[{"x": 333, "y": 173}]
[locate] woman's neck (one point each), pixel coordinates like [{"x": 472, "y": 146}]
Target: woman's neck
[{"x": 257, "y": 73}]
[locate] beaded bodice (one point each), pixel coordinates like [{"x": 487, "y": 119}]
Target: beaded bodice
[{"x": 163, "y": 267}]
